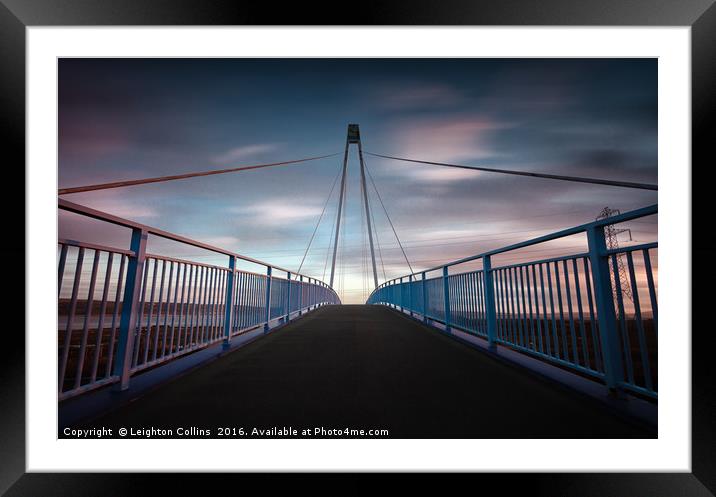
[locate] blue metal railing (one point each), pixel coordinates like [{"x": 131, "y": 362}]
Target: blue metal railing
[
  {"x": 571, "y": 311},
  {"x": 121, "y": 311}
]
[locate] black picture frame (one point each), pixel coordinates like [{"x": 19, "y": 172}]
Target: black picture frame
[{"x": 16, "y": 15}]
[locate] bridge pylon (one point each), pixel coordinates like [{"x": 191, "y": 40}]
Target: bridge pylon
[{"x": 353, "y": 137}]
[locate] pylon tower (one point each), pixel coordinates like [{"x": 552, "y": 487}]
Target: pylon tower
[
  {"x": 353, "y": 137},
  {"x": 621, "y": 278}
]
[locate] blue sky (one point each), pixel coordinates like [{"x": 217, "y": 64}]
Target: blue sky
[{"x": 134, "y": 118}]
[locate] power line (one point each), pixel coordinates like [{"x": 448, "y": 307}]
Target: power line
[
  {"x": 159, "y": 179},
  {"x": 625, "y": 184}
]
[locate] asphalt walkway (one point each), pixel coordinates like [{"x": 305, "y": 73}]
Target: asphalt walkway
[{"x": 367, "y": 367}]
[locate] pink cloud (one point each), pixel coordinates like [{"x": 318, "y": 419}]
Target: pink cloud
[
  {"x": 277, "y": 213},
  {"x": 445, "y": 140}
]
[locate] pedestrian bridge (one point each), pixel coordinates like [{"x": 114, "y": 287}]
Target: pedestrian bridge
[
  {"x": 562, "y": 346},
  {"x": 506, "y": 351}
]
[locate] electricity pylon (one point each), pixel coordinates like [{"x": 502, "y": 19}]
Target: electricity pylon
[{"x": 611, "y": 234}]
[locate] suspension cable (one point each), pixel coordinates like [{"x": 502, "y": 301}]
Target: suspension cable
[
  {"x": 328, "y": 251},
  {"x": 625, "y": 184},
  {"x": 377, "y": 242},
  {"x": 159, "y": 179},
  {"x": 319, "y": 221},
  {"x": 389, "y": 221}
]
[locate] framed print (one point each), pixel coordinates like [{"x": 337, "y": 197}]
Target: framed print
[{"x": 425, "y": 240}]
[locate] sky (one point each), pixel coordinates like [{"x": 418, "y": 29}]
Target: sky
[{"x": 125, "y": 119}]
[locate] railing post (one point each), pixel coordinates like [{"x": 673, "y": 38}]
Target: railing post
[
  {"x": 611, "y": 353},
  {"x": 410, "y": 294},
  {"x": 229, "y": 302},
  {"x": 446, "y": 292},
  {"x": 288, "y": 297},
  {"x": 130, "y": 305},
  {"x": 400, "y": 299},
  {"x": 300, "y": 294},
  {"x": 268, "y": 298},
  {"x": 425, "y": 300},
  {"x": 310, "y": 293},
  {"x": 490, "y": 311}
]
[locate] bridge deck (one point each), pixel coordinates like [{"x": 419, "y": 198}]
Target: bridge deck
[{"x": 368, "y": 367}]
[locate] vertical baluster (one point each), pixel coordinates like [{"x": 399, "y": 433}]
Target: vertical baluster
[
  {"x": 592, "y": 317},
  {"x": 300, "y": 294},
  {"x": 572, "y": 331},
  {"x": 626, "y": 338},
  {"x": 88, "y": 317},
  {"x": 533, "y": 341},
  {"x": 555, "y": 339},
  {"x": 155, "y": 345},
  {"x": 240, "y": 298},
  {"x": 565, "y": 349},
  {"x": 639, "y": 323},
  {"x": 219, "y": 305},
  {"x": 538, "y": 317},
  {"x": 580, "y": 314},
  {"x": 288, "y": 296},
  {"x": 61, "y": 269},
  {"x": 67, "y": 342},
  {"x": 504, "y": 324},
  {"x": 177, "y": 302},
  {"x": 148, "y": 334},
  {"x": 506, "y": 314},
  {"x": 446, "y": 298},
  {"x": 547, "y": 334},
  {"x": 191, "y": 310},
  {"x": 652, "y": 288},
  {"x": 196, "y": 305},
  {"x": 185, "y": 293},
  {"x": 513, "y": 311},
  {"x": 523, "y": 311},
  {"x": 115, "y": 315},
  {"x": 100, "y": 324},
  {"x": 268, "y": 298},
  {"x": 229, "y": 298},
  {"x": 140, "y": 318},
  {"x": 425, "y": 298},
  {"x": 490, "y": 307},
  {"x": 480, "y": 308},
  {"x": 201, "y": 305},
  {"x": 170, "y": 282}
]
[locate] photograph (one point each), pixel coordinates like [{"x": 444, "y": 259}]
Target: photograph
[
  {"x": 429, "y": 242},
  {"x": 357, "y": 248}
]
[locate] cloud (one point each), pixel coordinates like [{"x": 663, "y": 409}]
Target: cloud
[
  {"x": 244, "y": 152},
  {"x": 277, "y": 212},
  {"x": 225, "y": 242},
  {"x": 445, "y": 139}
]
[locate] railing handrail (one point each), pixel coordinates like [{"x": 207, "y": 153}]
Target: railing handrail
[
  {"x": 111, "y": 218},
  {"x": 627, "y": 216}
]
